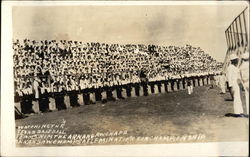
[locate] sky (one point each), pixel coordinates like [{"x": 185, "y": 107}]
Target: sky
[{"x": 198, "y": 25}]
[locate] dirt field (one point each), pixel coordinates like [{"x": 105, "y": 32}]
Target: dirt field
[{"x": 170, "y": 114}]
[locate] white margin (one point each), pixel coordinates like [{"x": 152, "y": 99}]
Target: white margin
[{"x": 7, "y": 108}]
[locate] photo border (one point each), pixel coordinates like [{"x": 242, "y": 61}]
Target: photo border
[{"x": 8, "y": 148}]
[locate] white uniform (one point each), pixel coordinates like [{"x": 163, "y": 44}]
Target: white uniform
[
  {"x": 233, "y": 76},
  {"x": 244, "y": 75},
  {"x": 222, "y": 80},
  {"x": 36, "y": 86}
]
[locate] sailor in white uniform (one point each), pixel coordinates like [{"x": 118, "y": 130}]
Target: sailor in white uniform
[
  {"x": 244, "y": 76},
  {"x": 233, "y": 81},
  {"x": 36, "y": 86}
]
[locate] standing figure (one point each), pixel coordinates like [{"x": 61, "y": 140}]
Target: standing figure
[
  {"x": 233, "y": 83},
  {"x": 189, "y": 86},
  {"x": 222, "y": 82},
  {"x": 144, "y": 82},
  {"x": 212, "y": 81},
  {"x": 244, "y": 76},
  {"x": 36, "y": 86}
]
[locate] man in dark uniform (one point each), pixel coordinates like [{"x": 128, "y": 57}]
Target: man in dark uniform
[
  {"x": 86, "y": 96},
  {"x": 198, "y": 79},
  {"x": 119, "y": 91},
  {"x": 193, "y": 79},
  {"x": 144, "y": 82},
  {"x": 165, "y": 82},
  {"x": 158, "y": 85},
  {"x": 118, "y": 86},
  {"x": 172, "y": 83},
  {"x": 137, "y": 87},
  {"x": 73, "y": 98},
  {"x": 26, "y": 104},
  {"x": 44, "y": 97},
  {"x": 183, "y": 82},
  {"x": 202, "y": 79},
  {"x": 59, "y": 97},
  {"x": 128, "y": 88},
  {"x": 44, "y": 102},
  {"x": 73, "y": 93},
  {"x": 98, "y": 93},
  {"x": 85, "y": 90},
  {"x": 109, "y": 90},
  {"x": 152, "y": 84}
]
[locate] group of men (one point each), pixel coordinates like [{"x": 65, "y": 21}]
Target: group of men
[{"x": 50, "y": 67}]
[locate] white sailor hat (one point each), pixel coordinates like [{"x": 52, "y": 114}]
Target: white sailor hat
[
  {"x": 245, "y": 55},
  {"x": 233, "y": 56}
]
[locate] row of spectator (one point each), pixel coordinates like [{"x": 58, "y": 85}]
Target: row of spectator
[{"x": 70, "y": 65}]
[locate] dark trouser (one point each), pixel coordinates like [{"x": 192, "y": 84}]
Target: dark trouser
[
  {"x": 86, "y": 98},
  {"x": 44, "y": 103},
  {"x": 119, "y": 92},
  {"x": 152, "y": 87},
  {"x": 128, "y": 90},
  {"x": 137, "y": 89},
  {"x": 183, "y": 84},
  {"x": 145, "y": 88},
  {"x": 73, "y": 98},
  {"x": 110, "y": 94},
  {"x": 159, "y": 86},
  {"x": 178, "y": 84},
  {"x": 59, "y": 100},
  {"x": 26, "y": 105},
  {"x": 172, "y": 85},
  {"x": 194, "y": 82},
  {"x": 98, "y": 94},
  {"x": 166, "y": 86}
]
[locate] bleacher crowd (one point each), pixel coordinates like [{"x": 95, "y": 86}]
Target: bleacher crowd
[{"x": 52, "y": 66}]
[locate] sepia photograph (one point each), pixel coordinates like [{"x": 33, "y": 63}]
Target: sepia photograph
[{"x": 105, "y": 75}]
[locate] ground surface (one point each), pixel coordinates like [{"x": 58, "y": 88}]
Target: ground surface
[{"x": 169, "y": 114}]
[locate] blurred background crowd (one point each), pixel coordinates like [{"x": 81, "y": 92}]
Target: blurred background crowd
[{"x": 55, "y": 66}]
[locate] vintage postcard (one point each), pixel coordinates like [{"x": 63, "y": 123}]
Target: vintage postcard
[{"x": 126, "y": 74}]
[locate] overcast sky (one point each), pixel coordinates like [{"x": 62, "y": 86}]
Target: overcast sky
[{"x": 200, "y": 26}]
